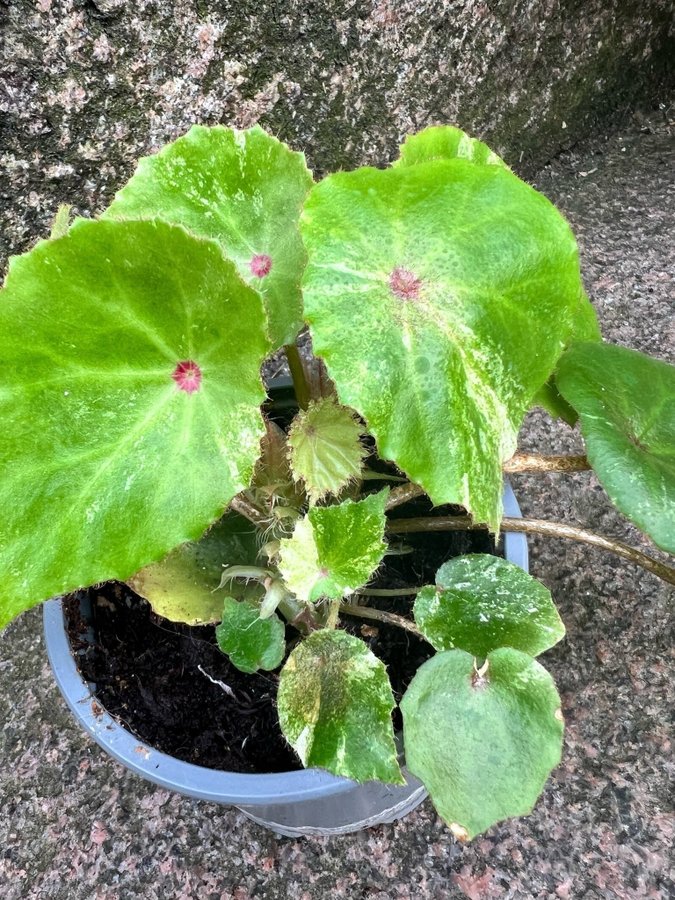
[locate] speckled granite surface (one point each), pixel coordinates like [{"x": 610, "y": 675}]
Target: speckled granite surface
[{"x": 76, "y": 826}]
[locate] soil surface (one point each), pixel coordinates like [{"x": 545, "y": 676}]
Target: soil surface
[{"x": 159, "y": 679}]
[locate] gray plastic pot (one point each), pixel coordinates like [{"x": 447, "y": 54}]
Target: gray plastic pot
[{"x": 310, "y": 801}]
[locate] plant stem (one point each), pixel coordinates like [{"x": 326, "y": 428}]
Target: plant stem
[
  {"x": 302, "y": 393},
  {"x": 538, "y": 526},
  {"x": 402, "y": 494},
  {"x": 333, "y": 613},
  {"x": 536, "y": 462},
  {"x": 388, "y": 592},
  {"x": 379, "y": 615},
  {"x": 247, "y": 509}
]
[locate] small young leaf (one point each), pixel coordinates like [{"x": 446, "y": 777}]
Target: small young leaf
[
  {"x": 130, "y": 403},
  {"x": 481, "y": 603},
  {"x": 626, "y": 403},
  {"x": 446, "y": 142},
  {"x": 245, "y": 189},
  {"x": 469, "y": 280},
  {"x": 335, "y": 704},
  {"x": 482, "y": 742},
  {"x": 182, "y": 587},
  {"x": 325, "y": 448},
  {"x": 335, "y": 549},
  {"x": 251, "y": 643},
  {"x": 273, "y": 483}
]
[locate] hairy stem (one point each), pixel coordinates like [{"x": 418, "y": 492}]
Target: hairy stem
[
  {"x": 539, "y": 526},
  {"x": 402, "y": 494},
  {"x": 536, "y": 462},
  {"x": 378, "y": 615},
  {"x": 247, "y": 509},
  {"x": 300, "y": 384},
  {"x": 333, "y": 613},
  {"x": 388, "y": 592}
]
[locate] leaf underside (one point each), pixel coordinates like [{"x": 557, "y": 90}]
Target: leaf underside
[
  {"x": 335, "y": 704},
  {"x": 626, "y": 404},
  {"x": 244, "y": 189},
  {"x": 335, "y": 549},
  {"x": 481, "y": 603},
  {"x": 482, "y": 745},
  {"x": 108, "y": 464},
  {"x": 469, "y": 279},
  {"x": 250, "y": 642},
  {"x": 183, "y": 587}
]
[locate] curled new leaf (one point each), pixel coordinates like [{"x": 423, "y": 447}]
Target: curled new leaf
[
  {"x": 481, "y": 603},
  {"x": 335, "y": 549},
  {"x": 626, "y": 404},
  {"x": 482, "y": 742},
  {"x": 251, "y": 642},
  {"x": 130, "y": 402},
  {"x": 245, "y": 189},
  {"x": 326, "y": 452},
  {"x": 335, "y": 704}
]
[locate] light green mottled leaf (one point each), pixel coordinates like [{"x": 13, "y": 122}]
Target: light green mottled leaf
[
  {"x": 626, "y": 404},
  {"x": 481, "y": 603},
  {"x": 335, "y": 704},
  {"x": 245, "y": 189},
  {"x": 469, "y": 280},
  {"x": 113, "y": 450},
  {"x": 335, "y": 549},
  {"x": 325, "y": 446},
  {"x": 446, "y": 142},
  {"x": 250, "y": 642},
  {"x": 482, "y": 742},
  {"x": 181, "y": 586}
]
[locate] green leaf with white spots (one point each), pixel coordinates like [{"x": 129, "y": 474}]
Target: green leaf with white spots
[
  {"x": 183, "y": 586},
  {"x": 626, "y": 404},
  {"x": 326, "y": 452},
  {"x": 482, "y": 742},
  {"x": 469, "y": 279},
  {"x": 112, "y": 452},
  {"x": 335, "y": 549},
  {"x": 335, "y": 703},
  {"x": 250, "y": 642},
  {"x": 446, "y": 142},
  {"x": 481, "y": 603},
  {"x": 245, "y": 189}
]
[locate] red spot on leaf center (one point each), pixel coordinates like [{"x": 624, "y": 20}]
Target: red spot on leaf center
[
  {"x": 261, "y": 265},
  {"x": 404, "y": 284},
  {"x": 188, "y": 376}
]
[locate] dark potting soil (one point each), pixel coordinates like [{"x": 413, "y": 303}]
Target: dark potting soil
[{"x": 160, "y": 679}]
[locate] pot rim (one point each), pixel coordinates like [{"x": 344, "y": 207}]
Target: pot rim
[{"x": 175, "y": 774}]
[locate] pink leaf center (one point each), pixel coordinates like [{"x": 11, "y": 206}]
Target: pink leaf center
[
  {"x": 404, "y": 284},
  {"x": 188, "y": 376},
  {"x": 261, "y": 265}
]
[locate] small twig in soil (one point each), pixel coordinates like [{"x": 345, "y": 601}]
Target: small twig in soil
[{"x": 221, "y": 684}]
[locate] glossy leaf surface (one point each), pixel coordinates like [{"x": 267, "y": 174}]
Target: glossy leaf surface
[
  {"x": 129, "y": 400},
  {"x": 335, "y": 549},
  {"x": 250, "y": 642},
  {"x": 481, "y": 603},
  {"x": 482, "y": 744},
  {"x": 181, "y": 586},
  {"x": 626, "y": 404},
  {"x": 469, "y": 280},
  {"x": 335, "y": 704},
  {"x": 245, "y": 189}
]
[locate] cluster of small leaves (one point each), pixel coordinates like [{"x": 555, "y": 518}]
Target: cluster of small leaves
[{"x": 440, "y": 293}]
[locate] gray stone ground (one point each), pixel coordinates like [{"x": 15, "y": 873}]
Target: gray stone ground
[{"x": 76, "y": 826}]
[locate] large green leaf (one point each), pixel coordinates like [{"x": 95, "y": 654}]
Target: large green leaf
[
  {"x": 325, "y": 446},
  {"x": 335, "y": 704},
  {"x": 183, "y": 586},
  {"x": 245, "y": 189},
  {"x": 481, "y": 603},
  {"x": 251, "y": 643},
  {"x": 439, "y": 295},
  {"x": 446, "y": 142},
  {"x": 335, "y": 549},
  {"x": 482, "y": 742},
  {"x": 626, "y": 403},
  {"x": 129, "y": 402}
]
